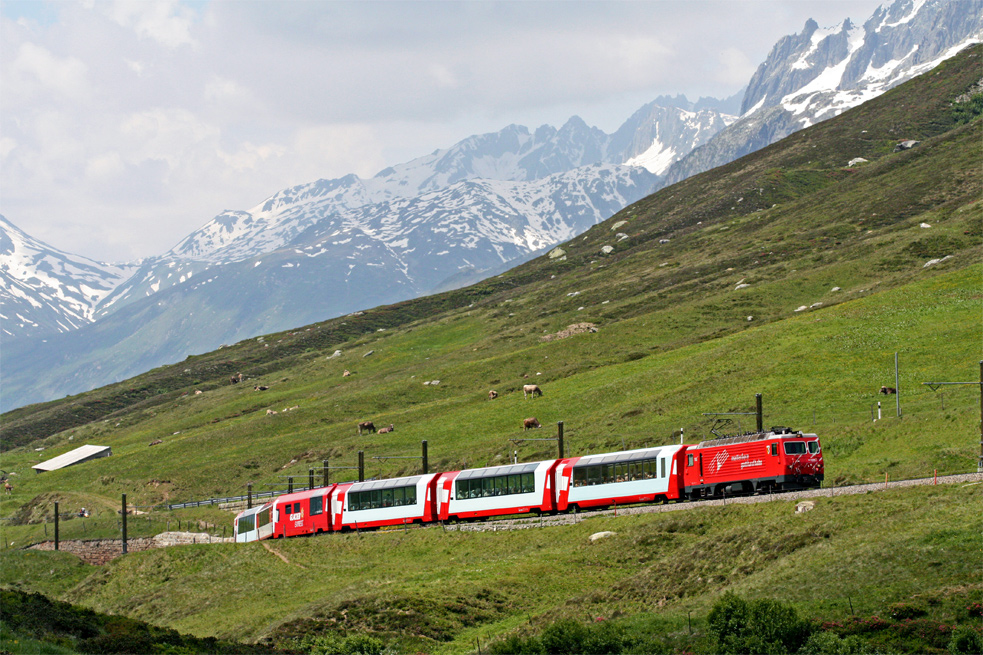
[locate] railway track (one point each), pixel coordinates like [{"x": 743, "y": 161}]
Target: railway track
[{"x": 828, "y": 492}]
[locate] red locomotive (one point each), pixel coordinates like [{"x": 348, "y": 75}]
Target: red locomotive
[{"x": 778, "y": 460}]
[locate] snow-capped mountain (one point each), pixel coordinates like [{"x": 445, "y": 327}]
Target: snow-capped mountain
[
  {"x": 331, "y": 247},
  {"x": 44, "y": 290},
  {"x": 819, "y": 73}
]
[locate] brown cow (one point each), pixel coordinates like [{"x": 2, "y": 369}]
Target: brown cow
[
  {"x": 346, "y": 373},
  {"x": 888, "y": 390},
  {"x": 260, "y": 388},
  {"x": 236, "y": 379},
  {"x": 385, "y": 430},
  {"x": 531, "y": 390},
  {"x": 156, "y": 442},
  {"x": 6, "y": 487},
  {"x": 366, "y": 425},
  {"x": 492, "y": 395},
  {"x": 530, "y": 423}
]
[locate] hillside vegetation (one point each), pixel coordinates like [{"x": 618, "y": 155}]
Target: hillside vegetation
[{"x": 786, "y": 273}]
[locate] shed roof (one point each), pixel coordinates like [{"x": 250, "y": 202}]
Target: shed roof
[{"x": 77, "y": 456}]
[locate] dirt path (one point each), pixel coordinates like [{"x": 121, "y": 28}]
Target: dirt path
[{"x": 281, "y": 556}]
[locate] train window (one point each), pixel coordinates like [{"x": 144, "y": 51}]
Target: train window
[
  {"x": 317, "y": 504},
  {"x": 650, "y": 470},
  {"x": 263, "y": 518},
  {"x": 296, "y": 508},
  {"x": 774, "y": 450},
  {"x": 813, "y": 447},
  {"x": 246, "y": 524},
  {"x": 663, "y": 467},
  {"x": 795, "y": 448},
  {"x": 689, "y": 460}
]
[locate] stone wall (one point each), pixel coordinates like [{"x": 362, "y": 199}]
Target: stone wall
[{"x": 102, "y": 551}]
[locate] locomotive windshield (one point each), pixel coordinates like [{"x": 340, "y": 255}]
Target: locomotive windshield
[
  {"x": 813, "y": 447},
  {"x": 795, "y": 448}
]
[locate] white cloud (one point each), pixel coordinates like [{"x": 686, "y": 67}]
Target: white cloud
[
  {"x": 166, "y": 22},
  {"x": 35, "y": 68}
]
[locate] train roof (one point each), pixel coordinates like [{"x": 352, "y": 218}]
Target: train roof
[
  {"x": 623, "y": 456},
  {"x": 755, "y": 436},
  {"x": 387, "y": 483},
  {"x": 508, "y": 469}
]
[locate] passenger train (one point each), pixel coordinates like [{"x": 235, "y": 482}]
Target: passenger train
[{"x": 777, "y": 460}]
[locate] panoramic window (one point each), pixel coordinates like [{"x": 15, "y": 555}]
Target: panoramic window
[
  {"x": 246, "y": 523},
  {"x": 381, "y": 498},
  {"x": 499, "y": 485},
  {"x": 588, "y": 475}
]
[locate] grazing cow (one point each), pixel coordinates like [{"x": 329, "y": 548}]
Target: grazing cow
[
  {"x": 492, "y": 395},
  {"x": 236, "y": 379},
  {"x": 197, "y": 392},
  {"x": 530, "y": 423},
  {"x": 156, "y": 442},
  {"x": 346, "y": 373},
  {"x": 260, "y": 388},
  {"x": 366, "y": 425},
  {"x": 385, "y": 430},
  {"x": 270, "y": 412},
  {"x": 7, "y": 488},
  {"x": 531, "y": 390},
  {"x": 888, "y": 390}
]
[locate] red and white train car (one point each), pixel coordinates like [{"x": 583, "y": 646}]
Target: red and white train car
[
  {"x": 303, "y": 512},
  {"x": 634, "y": 476},
  {"x": 254, "y": 523},
  {"x": 377, "y": 503},
  {"x": 497, "y": 491},
  {"x": 770, "y": 461}
]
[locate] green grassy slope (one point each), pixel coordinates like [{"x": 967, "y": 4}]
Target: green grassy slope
[{"x": 834, "y": 262}]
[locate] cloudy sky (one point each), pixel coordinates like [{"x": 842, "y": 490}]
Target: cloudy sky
[{"x": 126, "y": 125}]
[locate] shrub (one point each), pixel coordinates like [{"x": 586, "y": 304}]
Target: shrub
[
  {"x": 356, "y": 644},
  {"x": 965, "y": 641},
  {"x": 563, "y": 637},
  {"x": 760, "y": 626},
  {"x": 902, "y": 611},
  {"x": 829, "y": 643},
  {"x": 516, "y": 645}
]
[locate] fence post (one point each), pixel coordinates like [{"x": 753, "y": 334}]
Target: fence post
[
  {"x": 361, "y": 466},
  {"x": 249, "y": 496},
  {"x": 124, "y": 524},
  {"x": 559, "y": 438},
  {"x": 324, "y": 467},
  {"x": 426, "y": 461},
  {"x": 56, "y": 525}
]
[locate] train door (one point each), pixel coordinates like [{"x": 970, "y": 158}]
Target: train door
[
  {"x": 564, "y": 475},
  {"x": 444, "y": 487}
]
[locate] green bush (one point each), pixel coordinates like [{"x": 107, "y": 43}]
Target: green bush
[
  {"x": 965, "y": 641},
  {"x": 829, "y": 643},
  {"x": 565, "y": 637},
  {"x": 758, "y": 626},
  {"x": 516, "y": 645},
  {"x": 356, "y": 644}
]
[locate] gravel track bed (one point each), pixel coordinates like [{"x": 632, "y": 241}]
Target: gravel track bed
[{"x": 567, "y": 519}]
